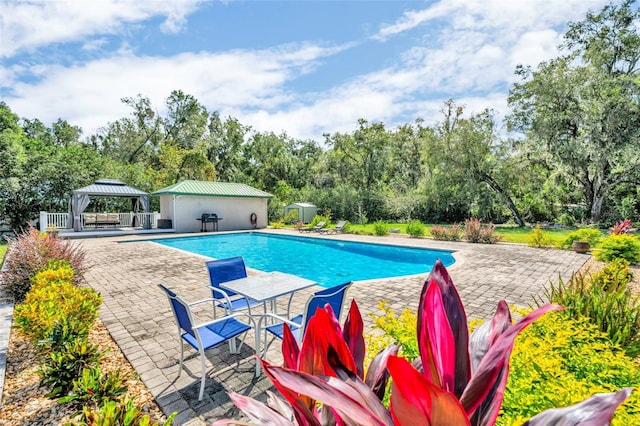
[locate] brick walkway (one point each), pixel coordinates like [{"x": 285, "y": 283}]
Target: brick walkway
[{"x": 138, "y": 317}]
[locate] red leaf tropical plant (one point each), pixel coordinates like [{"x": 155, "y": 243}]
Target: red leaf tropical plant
[
  {"x": 622, "y": 227},
  {"x": 457, "y": 380}
]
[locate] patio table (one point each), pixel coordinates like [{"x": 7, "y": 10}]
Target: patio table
[{"x": 267, "y": 288}]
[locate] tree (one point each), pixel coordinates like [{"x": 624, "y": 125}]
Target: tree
[
  {"x": 35, "y": 129},
  {"x": 471, "y": 149},
  {"x": 12, "y": 159},
  {"x": 305, "y": 156},
  {"x": 186, "y": 122},
  {"x": 135, "y": 139},
  {"x": 580, "y": 112},
  {"x": 178, "y": 163},
  {"x": 65, "y": 134},
  {"x": 224, "y": 147},
  {"x": 40, "y": 166},
  {"x": 269, "y": 160},
  {"x": 11, "y": 151},
  {"x": 405, "y": 160},
  {"x": 361, "y": 159}
]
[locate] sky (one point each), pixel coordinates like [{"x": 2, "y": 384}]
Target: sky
[{"x": 304, "y": 68}]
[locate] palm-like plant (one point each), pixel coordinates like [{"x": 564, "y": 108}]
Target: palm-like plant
[{"x": 458, "y": 379}]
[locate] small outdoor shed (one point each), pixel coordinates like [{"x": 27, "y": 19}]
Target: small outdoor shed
[
  {"x": 306, "y": 211},
  {"x": 237, "y": 206},
  {"x": 81, "y": 197}
]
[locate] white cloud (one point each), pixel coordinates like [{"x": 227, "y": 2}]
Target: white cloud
[
  {"x": 176, "y": 20},
  {"x": 533, "y": 47},
  {"x": 471, "y": 59},
  {"x": 94, "y": 44},
  {"x": 89, "y": 95},
  {"x": 8, "y": 75},
  {"x": 412, "y": 19},
  {"x": 31, "y": 24},
  {"x": 477, "y": 44},
  {"x": 337, "y": 111},
  {"x": 487, "y": 14},
  {"x": 470, "y": 55}
]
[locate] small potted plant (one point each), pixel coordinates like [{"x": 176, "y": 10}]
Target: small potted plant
[
  {"x": 581, "y": 240},
  {"x": 581, "y": 246}
]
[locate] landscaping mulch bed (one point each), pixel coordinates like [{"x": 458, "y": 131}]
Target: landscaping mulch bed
[{"x": 24, "y": 402}]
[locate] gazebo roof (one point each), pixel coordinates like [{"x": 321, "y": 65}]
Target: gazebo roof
[{"x": 110, "y": 187}]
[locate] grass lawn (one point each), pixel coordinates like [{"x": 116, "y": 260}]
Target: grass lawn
[
  {"x": 368, "y": 229},
  {"x": 509, "y": 233},
  {"x": 514, "y": 234},
  {"x": 3, "y": 250}
]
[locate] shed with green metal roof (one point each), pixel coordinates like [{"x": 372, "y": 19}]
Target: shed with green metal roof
[{"x": 193, "y": 205}]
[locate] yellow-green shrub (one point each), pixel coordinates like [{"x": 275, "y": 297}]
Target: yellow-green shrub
[
  {"x": 317, "y": 219},
  {"x": 619, "y": 246},
  {"x": 123, "y": 412},
  {"x": 380, "y": 228},
  {"x": 538, "y": 238},
  {"x": 54, "y": 308},
  {"x": 415, "y": 229},
  {"x": 399, "y": 330},
  {"x": 606, "y": 300},
  {"x": 613, "y": 276},
  {"x": 291, "y": 216},
  {"x": 96, "y": 386},
  {"x": 559, "y": 361},
  {"x": 556, "y": 361},
  {"x": 56, "y": 271}
]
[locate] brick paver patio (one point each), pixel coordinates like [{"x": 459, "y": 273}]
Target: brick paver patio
[{"x": 138, "y": 317}]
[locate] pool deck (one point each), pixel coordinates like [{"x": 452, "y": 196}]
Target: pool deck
[{"x": 138, "y": 317}]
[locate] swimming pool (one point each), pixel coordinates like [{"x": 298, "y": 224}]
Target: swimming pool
[{"x": 328, "y": 262}]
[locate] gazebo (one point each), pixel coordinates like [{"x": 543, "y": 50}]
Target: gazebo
[{"x": 106, "y": 188}]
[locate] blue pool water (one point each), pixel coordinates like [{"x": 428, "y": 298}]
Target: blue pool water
[{"x": 328, "y": 262}]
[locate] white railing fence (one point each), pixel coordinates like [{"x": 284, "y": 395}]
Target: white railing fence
[
  {"x": 56, "y": 221},
  {"x": 49, "y": 221}
]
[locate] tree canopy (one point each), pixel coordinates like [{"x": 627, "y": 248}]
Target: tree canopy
[{"x": 581, "y": 111}]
